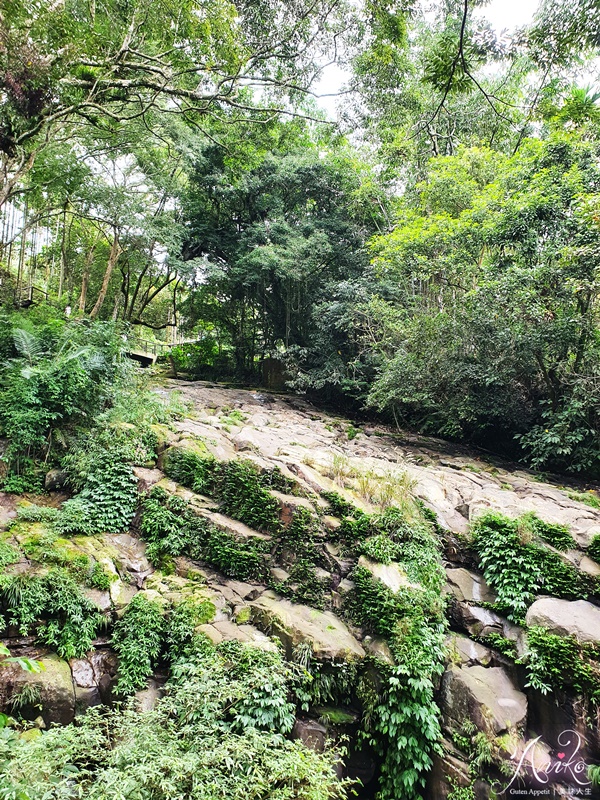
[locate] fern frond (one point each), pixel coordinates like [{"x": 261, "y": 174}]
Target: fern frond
[{"x": 27, "y": 345}]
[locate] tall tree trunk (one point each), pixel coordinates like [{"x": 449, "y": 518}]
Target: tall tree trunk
[
  {"x": 63, "y": 252},
  {"x": 115, "y": 252},
  {"x": 115, "y": 312},
  {"x": 85, "y": 278}
]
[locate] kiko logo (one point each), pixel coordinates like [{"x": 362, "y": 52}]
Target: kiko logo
[{"x": 568, "y": 766}]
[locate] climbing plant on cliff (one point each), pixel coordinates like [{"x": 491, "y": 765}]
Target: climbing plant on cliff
[
  {"x": 401, "y": 716},
  {"x": 518, "y": 567}
]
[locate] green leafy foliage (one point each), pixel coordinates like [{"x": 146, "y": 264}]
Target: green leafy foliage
[
  {"x": 594, "y": 774},
  {"x": 200, "y": 359},
  {"x": 54, "y": 606},
  {"x": 34, "y": 513},
  {"x": 137, "y": 640},
  {"x": 238, "y": 485},
  {"x": 8, "y": 555},
  {"x": 275, "y": 262},
  {"x": 403, "y": 719},
  {"x": 302, "y": 585},
  {"x": 404, "y": 726},
  {"x": 296, "y": 547},
  {"x": 590, "y": 498},
  {"x": 107, "y": 502},
  {"x": 54, "y": 378},
  {"x": 380, "y": 548},
  {"x": 99, "y": 578},
  {"x": 518, "y": 568},
  {"x": 498, "y": 642},
  {"x": 556, "y": 535},
  {"x": 180, "y": 629},
  {"x": 172, "y": 529},
  {"x": 594, "y": 548},
  {"x": 561, "y": 662},
  {"x": 265, "y": 704},
  {"x": 331, "y": 684},
  {"x": 355, "y": 528},
  {"x": 461, "y": 792},
  {"x": 503, "y": 363},
  {"x": 374, "y": 606},
  {"x": 221, "y": 721},
  {"x": 339, "y": 506}
]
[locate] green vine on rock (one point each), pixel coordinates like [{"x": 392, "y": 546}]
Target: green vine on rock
[
  {"x": 171, "y": 528},
  {"x": 518, "y": 567},
  {"x": 562, "y": 663},
  {"x": 239, "y": 487},
  {"x": 401, "y": 719}
]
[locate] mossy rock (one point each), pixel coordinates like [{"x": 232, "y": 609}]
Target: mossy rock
[
  {"x": 243, "y": 616},
  {"x": 27, "y": 532},
  {"x": 55, "y": 691},
  {"x": 165, "y": 437},
  {"x": 174, "y": 589},
  {"x": 198, "y": 502},
  {"x": 295, "y": 624},
  {"x": 195, "y": 446},
  {"x": 121, "y": 594},
  {"x": 99, "y": 548},
  {"x": 336, "y": 716}
]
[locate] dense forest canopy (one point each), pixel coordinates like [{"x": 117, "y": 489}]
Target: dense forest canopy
[{"x": 432, "y": 255}]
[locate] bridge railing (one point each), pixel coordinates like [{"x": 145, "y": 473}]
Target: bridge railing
[
  {"x": 156, "y": 348},
  {"x": 27, "y": 295}
]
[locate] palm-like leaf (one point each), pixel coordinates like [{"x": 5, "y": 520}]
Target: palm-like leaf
[{"x": 27, "y": 345}]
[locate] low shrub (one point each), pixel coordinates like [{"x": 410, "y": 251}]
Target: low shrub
[
  {"x": 218, "y": 734},
  {"x": 137, "y": 640},
  {"x": 53, "y": 606}
]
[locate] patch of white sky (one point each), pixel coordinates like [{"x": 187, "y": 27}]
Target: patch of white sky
[{"x": 504, "y": 15}]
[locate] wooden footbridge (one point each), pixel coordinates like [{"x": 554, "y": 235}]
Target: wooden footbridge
[{"x": 146, "y": 351}]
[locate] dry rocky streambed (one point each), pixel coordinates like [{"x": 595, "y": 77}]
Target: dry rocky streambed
[{"x": 491, "y": 717}]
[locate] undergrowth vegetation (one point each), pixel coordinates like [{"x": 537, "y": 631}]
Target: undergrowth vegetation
[
  {"x": 239, "y": 486},
  {"x": 218, "y": 734},
  {"x": 54, "y": 377},
  {"x": 137, "y": 639},
  {"x": 562, "y": 663},
  {"x": 518, "y": 566},
  {"x": 171, "y": 528},
  {"x": 53, "y": 607},
  {"x": 400, "y": 719}
]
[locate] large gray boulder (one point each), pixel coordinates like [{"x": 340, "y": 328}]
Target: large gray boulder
[
  {"x": 391, "y": 575},
  {"x": 311, "y": 733},
  {"x": 566, "y": 618},
  {"x": 487, "y": 696},
  {"x": 93, "y": 677},
  {"x": 465, "y": 650},
  {"x": 51, "y": 691},
  {"x": 469, "y": 587},
  {"x": 448, "y": 770},
  {"x": 296, "y": 624},
  {"x": 55, "y": 480}
]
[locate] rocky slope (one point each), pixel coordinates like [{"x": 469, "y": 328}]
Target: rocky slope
[{"x": 491, "y": 718}]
